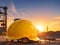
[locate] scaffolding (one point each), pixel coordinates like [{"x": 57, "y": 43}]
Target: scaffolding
[{"x": 4, "y": 14}]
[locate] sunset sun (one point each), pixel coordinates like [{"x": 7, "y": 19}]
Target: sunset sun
[{"x": 39, "y": 27}]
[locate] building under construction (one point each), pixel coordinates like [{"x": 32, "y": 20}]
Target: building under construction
[{"x": 3, "y": 20}]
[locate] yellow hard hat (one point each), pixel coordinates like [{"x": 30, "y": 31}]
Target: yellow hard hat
[{"x": 22, "y": 28}]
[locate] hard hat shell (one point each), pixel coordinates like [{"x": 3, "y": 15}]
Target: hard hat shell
[{"x": 22, "y": 28}]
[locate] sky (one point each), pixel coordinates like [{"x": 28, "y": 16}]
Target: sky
[{"x": 39, "y": 12}]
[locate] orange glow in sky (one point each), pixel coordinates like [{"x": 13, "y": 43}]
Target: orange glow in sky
[{"x": 40, "y": 28}]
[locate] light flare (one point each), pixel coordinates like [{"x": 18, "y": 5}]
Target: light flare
[{"x": 40, "y": 28}]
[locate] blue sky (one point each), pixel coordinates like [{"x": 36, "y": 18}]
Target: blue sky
[
  {"x": 38, "y": 11},
  {"x": 34, "y": 5}
]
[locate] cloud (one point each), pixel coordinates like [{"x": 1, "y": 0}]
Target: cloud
[
  {"x": 24, "y": 14},
  {"x": 11, "y": 12},
  {"x": 58, "y": 17},
  {"x": 54, "y": 23},
  {"x": 12, "y": 8}
]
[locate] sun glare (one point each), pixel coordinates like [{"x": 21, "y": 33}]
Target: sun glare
[{"x": 39, "y": 27}]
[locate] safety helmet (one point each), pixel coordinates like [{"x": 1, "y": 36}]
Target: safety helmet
[{"x": 22, "y": 28}]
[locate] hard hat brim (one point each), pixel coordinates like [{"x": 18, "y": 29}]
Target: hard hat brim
[{"x": 35, "y": 39}]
